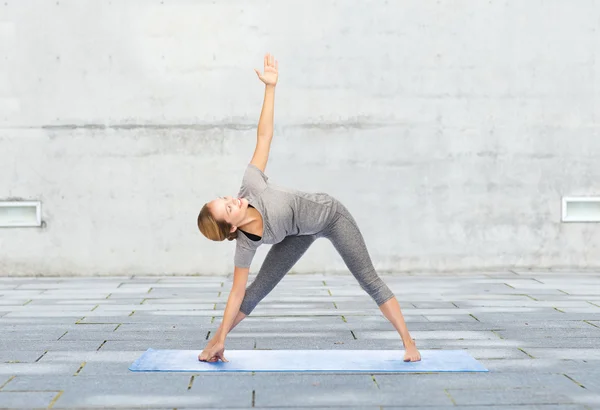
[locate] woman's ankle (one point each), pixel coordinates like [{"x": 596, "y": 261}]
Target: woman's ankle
[{"x": 411, "y": 342}]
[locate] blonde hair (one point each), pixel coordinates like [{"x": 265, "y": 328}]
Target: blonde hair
[{"x": 213, "y": 229}]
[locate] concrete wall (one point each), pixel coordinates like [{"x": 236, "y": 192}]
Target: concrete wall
[{"x": 450, "y": 129}]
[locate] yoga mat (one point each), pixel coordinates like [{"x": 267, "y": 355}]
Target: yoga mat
[{"x": 330, "y": 361}]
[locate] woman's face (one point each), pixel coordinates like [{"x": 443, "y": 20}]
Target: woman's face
[{"x": 229, "y": 209}]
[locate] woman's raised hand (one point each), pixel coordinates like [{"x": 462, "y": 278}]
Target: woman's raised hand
[{"x": 269, "y": 75}]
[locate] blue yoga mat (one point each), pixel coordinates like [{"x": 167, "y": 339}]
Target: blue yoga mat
[{"x": 330, "y": 361}]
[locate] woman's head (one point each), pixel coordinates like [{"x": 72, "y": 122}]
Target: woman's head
[{"x": 219, "y": 219}]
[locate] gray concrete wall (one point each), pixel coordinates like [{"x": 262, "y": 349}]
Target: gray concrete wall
[{"x": 450, "y": 129}]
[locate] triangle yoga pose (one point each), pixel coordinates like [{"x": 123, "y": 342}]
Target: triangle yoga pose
[{"x": 290, "y": 220}]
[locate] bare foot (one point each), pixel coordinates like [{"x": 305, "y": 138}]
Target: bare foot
[{"x": 411, "y": 354}]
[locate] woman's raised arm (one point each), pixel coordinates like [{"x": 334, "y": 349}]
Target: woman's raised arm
[{"x": 265, "y": 123}]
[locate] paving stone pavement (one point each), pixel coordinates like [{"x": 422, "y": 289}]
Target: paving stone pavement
[{"x": 68, "y": 342}]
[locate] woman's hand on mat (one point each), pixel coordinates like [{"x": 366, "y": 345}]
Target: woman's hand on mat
[
  {"x": 213, "y": 353},
  {"x": 411, "y": 354},
  {"x": 269, "y": 76}
]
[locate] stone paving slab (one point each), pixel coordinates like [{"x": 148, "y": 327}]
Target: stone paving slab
[
  {"x": 20, "y": 356},
  {"x": 43, "y": 345},
  {"x": 462, "y": 317},
  {"x": 121, "y": 335},
  {"x": 47, "y": 369},
  {"x": 564, "y": 353},
  {"x": 143, "y": 345},
  {"x": 358, "y": 324},
  {"x": 76, "y": 357},
  {"x": 148, "y": 319},
  {"x": 27, "y": 399},
  {"x": 13, "y": 335},
  {"x": 322, "y": 396},
  {"x": 531, "y": 365},
  {"x": 483, "y": 381},
  {"x": 429, "y": 335},
  {"x": 556, "y": 343},
  {"x": 493, "y": 397},
  {"x": 141, "y": 399},
  {"x": 142, "y": 383},
  {"x": 580, "y": 332},
  {"x": 538, "y": 356}
]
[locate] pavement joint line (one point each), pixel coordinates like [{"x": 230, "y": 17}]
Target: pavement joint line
[
  {"x": 592, "y": 303},
  {"x": 329, "y": 290},
  {"x": 38, "y": 359},
  {"x": 589, "y": 323},
  {"x": 526, "y": 352},
  {"x": 215, "y": 307},
  {"x": 55, "y": 399},
  {"x": 512, "y": 287},
  {"x": 80, "y": 368},
  {"x": 253, "y": 397},
  {"x": 94, "y": 308},
  {"x": 149, "y": 290},
  {"x": 334, "y": 305},
  {"x": 143, "y": 301},
  {"x": 561, "y": 311},
  {"x": 530, "y": 297},
  {"x": 496, "y": 333},
  {"x": 574, "y": 381},
  {"x": 473, "y": 316},
  {"x": 344, "y": 319},
  {"x": 353, "y": 335},
  {"x": 537, "y": 280},
  {"x": 450, "y": 396},
  {"x": 191, "y": 382},
  {"x": 324, "y": 283},
  {"x": 212, "y": 320},
  {"x": 132, "y": 312},
  {"x": 120, "y": 284},
  {"x": 62, "y": 336},
  {"x": 108, "y": 295},
  {"x": 29, "y": 301},
  {"x": 8, "y": 381},
  {"x": 208, "y": 335},
  {"x": 563, "y": 292},
  {"x": 100, "y": 347},
  {"x": 79, "y": 320},
  {"x": 375, "y": 381}
]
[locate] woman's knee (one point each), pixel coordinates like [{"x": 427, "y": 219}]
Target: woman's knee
[
  {"x": 248, "y": 305},
  {"x": 378, "y": 290}
]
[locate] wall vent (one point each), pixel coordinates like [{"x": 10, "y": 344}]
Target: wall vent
[
  {"x": 581, "y": 209},
  {"x": 20, "y": 213}
]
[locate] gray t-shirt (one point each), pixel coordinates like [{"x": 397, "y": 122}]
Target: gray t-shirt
[{"x": 285, "y": 212}]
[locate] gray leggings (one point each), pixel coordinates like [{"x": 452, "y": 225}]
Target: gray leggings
[{"x": 347, "y": 239}]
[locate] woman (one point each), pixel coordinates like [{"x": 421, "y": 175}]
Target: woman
[{"x": 291, "y": 221}]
